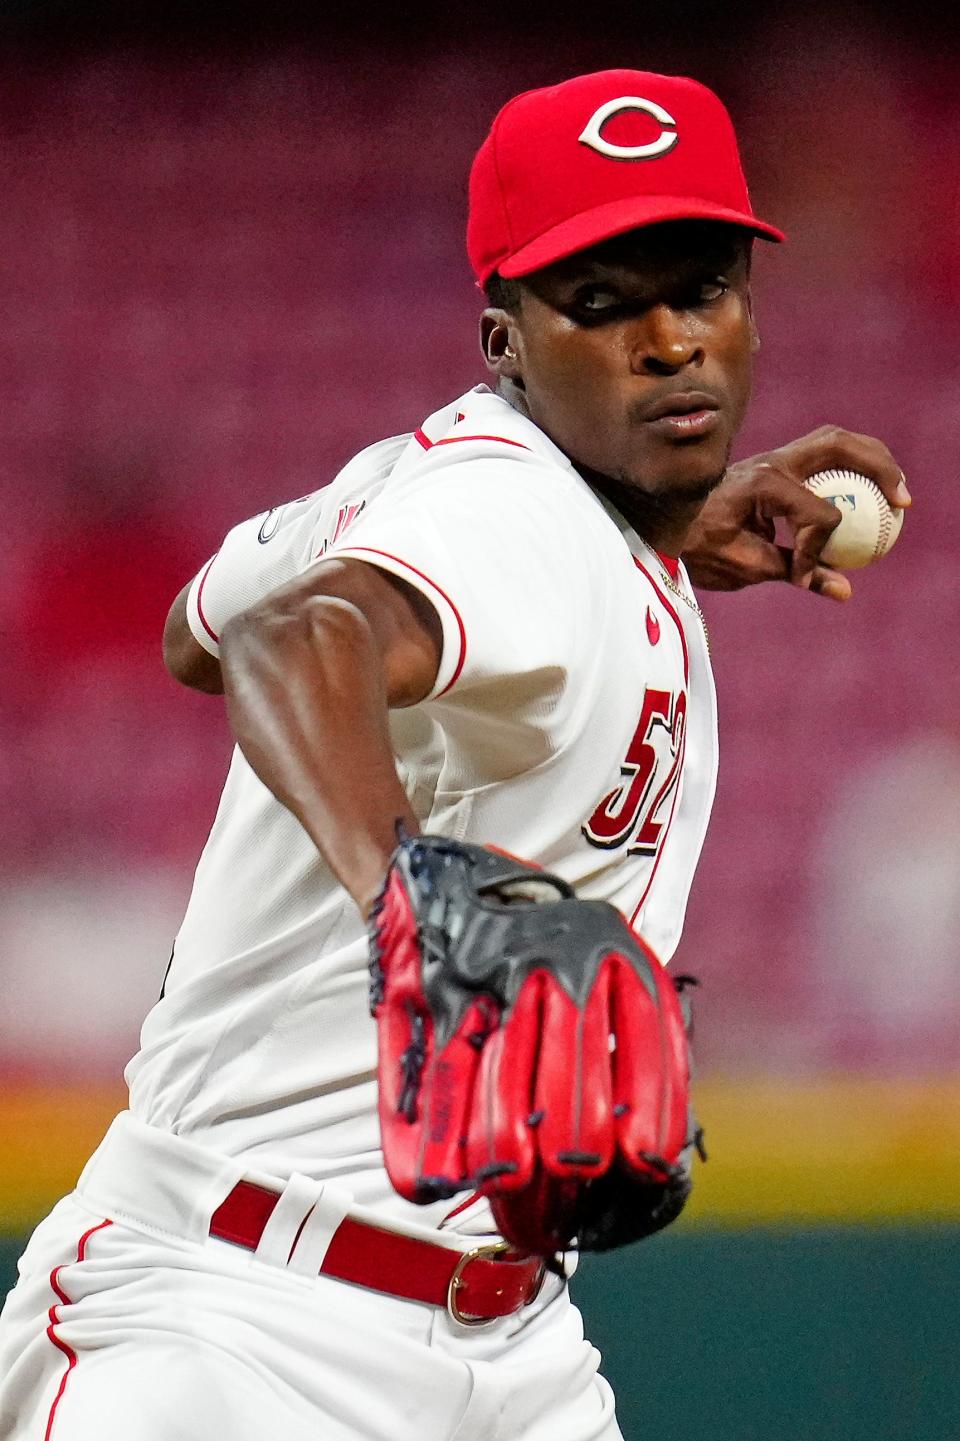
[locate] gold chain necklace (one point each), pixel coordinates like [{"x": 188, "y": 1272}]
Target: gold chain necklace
[{"x": 672, "y": 586}]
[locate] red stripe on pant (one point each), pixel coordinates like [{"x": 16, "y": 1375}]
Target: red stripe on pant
[{"x": 61, "y": 1345}]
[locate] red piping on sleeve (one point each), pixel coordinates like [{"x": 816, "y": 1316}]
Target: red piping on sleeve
[
  {"x": 370, "y": 550},
  {"x": 61, "y": 1345},
  {"x": 504, "y": 440},
  {"x": 428, "y": 444},
  {"x": 203, "y": 619}
]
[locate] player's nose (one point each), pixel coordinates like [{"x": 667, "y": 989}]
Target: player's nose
[{"x": 663, "y": 343}]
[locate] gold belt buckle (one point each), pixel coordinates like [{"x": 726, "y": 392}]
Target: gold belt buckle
[{"x": 492, "y": 1250}]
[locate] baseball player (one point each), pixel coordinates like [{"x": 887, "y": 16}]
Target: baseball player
[{"x": 482, "y": 632}]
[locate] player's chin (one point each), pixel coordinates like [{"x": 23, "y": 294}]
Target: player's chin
[{"x": 686, "y": 470}]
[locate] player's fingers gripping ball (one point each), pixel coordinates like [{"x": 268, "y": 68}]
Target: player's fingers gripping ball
[
  {"x": 869, "y": 526},
  {"x": 530, "y": 1046}
]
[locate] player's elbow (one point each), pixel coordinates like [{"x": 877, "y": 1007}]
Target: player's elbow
[
  {"x": 293, "y": 638},
  {"x": 292, "y": 618},
  {"x": 183, "y": 656}
]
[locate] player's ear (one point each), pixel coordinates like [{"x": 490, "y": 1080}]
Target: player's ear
[
  {"x": 500, "y": 343},
  {"x": 745, "y": 244},
  {"x": 754, "y": 332}
]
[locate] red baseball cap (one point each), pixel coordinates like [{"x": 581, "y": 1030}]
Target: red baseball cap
[{"x": 569, "y": 165}]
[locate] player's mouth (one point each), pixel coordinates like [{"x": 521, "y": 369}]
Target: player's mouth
[{"x": 684, "y": 415}]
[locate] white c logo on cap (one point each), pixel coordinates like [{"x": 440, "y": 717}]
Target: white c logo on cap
[{"x": 665, "y": 141}]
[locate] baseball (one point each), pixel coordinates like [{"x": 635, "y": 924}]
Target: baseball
[{"x": 868, "y": 525}]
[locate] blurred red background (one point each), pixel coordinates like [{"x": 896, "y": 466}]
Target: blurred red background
[{"x": 230, "y": 259}]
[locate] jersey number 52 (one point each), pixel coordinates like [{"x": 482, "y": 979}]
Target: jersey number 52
[{"x": 636, "y": 810}]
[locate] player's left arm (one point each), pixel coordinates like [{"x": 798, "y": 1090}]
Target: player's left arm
[
  {"x": 256, "y": 557},
  {"x": 732, "y": 542}
]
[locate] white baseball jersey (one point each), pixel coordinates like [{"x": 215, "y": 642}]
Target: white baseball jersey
[{"x": 573, "y": 722}]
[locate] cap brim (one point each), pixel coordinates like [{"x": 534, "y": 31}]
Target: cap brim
[{"x": 617, "y": 217}]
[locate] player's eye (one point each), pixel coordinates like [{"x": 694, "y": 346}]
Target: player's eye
[
  {"x": 597, "y": 297},
  {"x": 713, "y": 289},
  {"x": 595, "y": 301},
  {"x": 596, "y": 305},
  {"x": 706, "y": 290}
]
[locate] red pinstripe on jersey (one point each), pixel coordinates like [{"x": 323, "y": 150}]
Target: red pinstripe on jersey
[
  {"x": 64, "y": 1299},
  {"x": 398, "y": 560}
]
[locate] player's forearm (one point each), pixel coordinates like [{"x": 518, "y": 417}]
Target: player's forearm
[{"x": 307, "y": 702}]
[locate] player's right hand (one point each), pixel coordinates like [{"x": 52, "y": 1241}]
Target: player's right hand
[{"x": 732, "y": 543}]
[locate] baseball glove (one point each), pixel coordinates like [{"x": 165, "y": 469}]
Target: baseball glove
[{"x": 530, "y": 1047}]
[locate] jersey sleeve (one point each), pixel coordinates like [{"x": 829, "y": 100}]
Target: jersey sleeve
[
  {"x": 256, "y": 557},
  {"x": 496, "y": 547},
  {"x": 269, "y": 550}
]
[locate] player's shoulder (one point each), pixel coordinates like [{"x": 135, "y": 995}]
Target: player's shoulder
[
  {"x": 316, "y": 519},
  {"x": 481, "y": 455},
  {"x": 484, "y": 424},
  {"x": 481, "y": 422}
]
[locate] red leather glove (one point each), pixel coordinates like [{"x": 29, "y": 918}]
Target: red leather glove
[{"x": 530, "y": 1046}]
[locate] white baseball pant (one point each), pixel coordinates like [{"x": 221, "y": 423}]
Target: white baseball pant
[{"x": 131, "y": 1323}]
